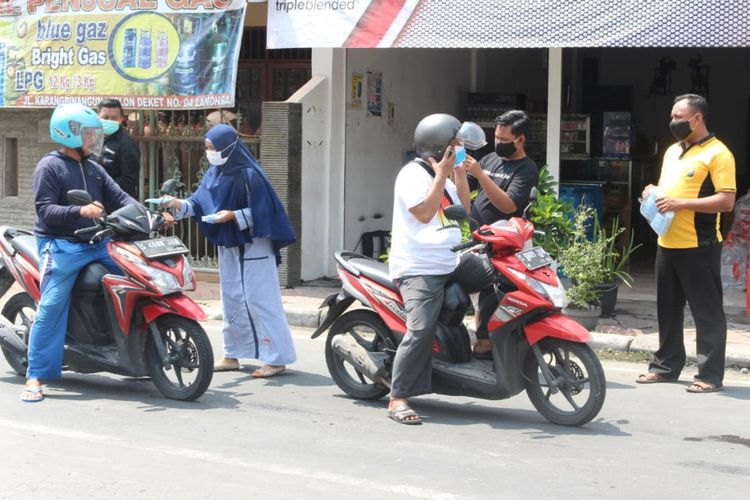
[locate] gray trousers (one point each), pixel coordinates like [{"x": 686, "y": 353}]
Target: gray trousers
[{"x": 423, "y": 300}]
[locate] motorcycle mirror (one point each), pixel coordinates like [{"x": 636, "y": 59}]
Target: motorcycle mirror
[
  {"x": 169, "y": 187},
  {"x": 533, "y": 195},
  {"x": 79, "y": 197},
  {"x": 456, "y": 212}
]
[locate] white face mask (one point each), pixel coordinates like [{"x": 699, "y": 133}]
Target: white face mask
[{"x": 214, "y": 157}]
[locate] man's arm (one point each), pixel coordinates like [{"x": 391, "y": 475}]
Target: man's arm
[
  {"x": 719, "y": 202},
  {"x": 46, "y": 186},
  {"x": 496, "y": 195},
  {"x": 425, "y": 211}
]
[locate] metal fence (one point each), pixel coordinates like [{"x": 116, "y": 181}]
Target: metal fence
[{"x": 175, "y": 150}]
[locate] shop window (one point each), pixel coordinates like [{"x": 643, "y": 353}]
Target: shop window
[
  {"x": 266, "y": 75},
  {"x": 10, "y": 172}
]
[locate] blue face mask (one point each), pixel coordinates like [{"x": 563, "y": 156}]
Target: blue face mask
[{"x": 110, "y": 126}]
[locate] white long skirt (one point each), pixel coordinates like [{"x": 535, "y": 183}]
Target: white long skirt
[{"x": 255, "y": 324}]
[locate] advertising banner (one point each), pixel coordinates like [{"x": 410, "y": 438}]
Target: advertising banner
[
  {"x": 507, "y": 23},
  {"x": 150, "y": 54}
]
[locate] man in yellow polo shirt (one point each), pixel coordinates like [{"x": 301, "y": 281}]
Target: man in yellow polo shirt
[{"x": 697, "y": 182}]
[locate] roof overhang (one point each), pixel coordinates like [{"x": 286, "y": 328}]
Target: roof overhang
[{"x": 508, "y": 23}]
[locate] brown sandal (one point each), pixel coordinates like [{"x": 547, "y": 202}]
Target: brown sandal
[
  {"x": 699, "y": 386},
  {"x": 653, "y": 378},
  {"x": 403, "y": 414},
  {"x": 268, "y": 371}
]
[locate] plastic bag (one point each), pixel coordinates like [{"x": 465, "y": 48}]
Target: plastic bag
[
  {"x": 659, "y": 222},
  {"x": 741, "y": 223},
  {"x": 733, "y": 264}
]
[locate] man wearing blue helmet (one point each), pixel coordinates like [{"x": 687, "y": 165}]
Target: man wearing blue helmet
[{"x": 61, "y": 254}]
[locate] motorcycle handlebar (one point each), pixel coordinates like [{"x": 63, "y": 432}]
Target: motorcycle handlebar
[
  {"x": 464, "y": 246},
  {"x": 85, "y": 230}
]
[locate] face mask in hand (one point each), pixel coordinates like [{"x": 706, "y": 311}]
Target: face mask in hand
[
  {"x": 505, "y": 149},
  {"x": 680, "y": 130}
]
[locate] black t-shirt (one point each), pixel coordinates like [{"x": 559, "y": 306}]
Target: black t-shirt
[{"x": 515, "y": 177}]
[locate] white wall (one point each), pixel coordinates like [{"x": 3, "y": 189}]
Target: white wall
[{"x": 417, "y": 82}]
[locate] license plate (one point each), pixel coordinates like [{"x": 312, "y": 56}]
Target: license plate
[
  {"x": 162, "y": 247},
  {"x": 534, "y": 258}
]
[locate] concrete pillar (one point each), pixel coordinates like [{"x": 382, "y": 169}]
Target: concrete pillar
[
  {"x": 554, "y": 110},
  {"x": 281, "y": 158}
]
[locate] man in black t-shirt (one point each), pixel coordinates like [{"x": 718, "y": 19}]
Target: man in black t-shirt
[{"x": 505, "y": 178}]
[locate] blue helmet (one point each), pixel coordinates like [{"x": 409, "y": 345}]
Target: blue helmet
[{"x": 71, "y": 122}]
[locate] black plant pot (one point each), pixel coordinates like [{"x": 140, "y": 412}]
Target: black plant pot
[{"x": 608, "y": 298}]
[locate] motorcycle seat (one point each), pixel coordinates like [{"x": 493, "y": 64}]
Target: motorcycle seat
[
  {"x": 26, "y": 244},
  {"x": 370, "y": 268}
]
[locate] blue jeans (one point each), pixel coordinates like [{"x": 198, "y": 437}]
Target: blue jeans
[{"x": 59, "y": 261}]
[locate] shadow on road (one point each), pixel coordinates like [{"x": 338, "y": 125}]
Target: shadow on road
[
  {"x": 93, "y": 387},
  {"x": 459, "y": 414}
]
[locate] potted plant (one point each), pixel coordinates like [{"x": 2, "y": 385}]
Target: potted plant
[
  {"x": 550, "y": 215},
  {"x": 583, "y": 262},
  {"x": 615, "y": 262}
]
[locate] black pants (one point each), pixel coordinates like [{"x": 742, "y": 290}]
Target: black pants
[{"x": 691, "y": 275}]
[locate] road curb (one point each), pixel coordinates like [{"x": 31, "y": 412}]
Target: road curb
[{"x": 738, "y": 356}]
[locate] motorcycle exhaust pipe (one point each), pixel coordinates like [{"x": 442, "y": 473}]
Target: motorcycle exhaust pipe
[
  {"x": 10, "y": 336},
  {"x": 363, "y": 361}
]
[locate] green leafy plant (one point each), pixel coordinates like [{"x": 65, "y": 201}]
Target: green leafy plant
[
  {"x": 550, "y": 215},
  {"x": 583, "y": 261},
  {"x": 615, "y": 258}
]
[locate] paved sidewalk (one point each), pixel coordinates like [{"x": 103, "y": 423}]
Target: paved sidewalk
[{"x": 633, "y": 329}]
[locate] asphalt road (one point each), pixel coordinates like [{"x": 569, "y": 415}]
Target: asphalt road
[{"x": 297, "y": 436}]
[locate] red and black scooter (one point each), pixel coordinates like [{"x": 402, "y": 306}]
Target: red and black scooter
[
  {"x": 534, "y": 346},
  {"x": 139, "y": 324}
]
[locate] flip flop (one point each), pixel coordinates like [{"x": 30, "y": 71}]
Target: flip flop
[
  {"x": 697, "y": 388},
  {"x": 403, "y": 414},
  {"x": 653, "y": 378},
  {"x": 227, "y": 366},
  {"x": 268, "y": 371},
  {"x": 32, "y": 394}
]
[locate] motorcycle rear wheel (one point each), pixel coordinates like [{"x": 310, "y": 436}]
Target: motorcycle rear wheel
[
  {"x": 20, "y": 310},
  {"x": 370, "y": 332},
  {"x": 190, "y": 355},
  {"x": 583, "y": 387}
]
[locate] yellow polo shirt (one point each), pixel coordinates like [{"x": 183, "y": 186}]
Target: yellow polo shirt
[{"x": 703, "y": 169}]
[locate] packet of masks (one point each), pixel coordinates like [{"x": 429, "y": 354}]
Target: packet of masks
[
  {"x": 460, "y": 156},
  {"x": 209, "y": 219},
  {"x": 659, "y": 222}
]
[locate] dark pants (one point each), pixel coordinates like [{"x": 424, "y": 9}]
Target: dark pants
[
  {"x": 423, "y": 300},
  {"x": 691, "y": 275}
]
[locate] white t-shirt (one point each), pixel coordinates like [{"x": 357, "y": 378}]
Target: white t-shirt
[{"x": 416, "y": 248}]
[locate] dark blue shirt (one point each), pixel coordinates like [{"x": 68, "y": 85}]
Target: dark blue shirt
[{"x": 54, "y": 176}]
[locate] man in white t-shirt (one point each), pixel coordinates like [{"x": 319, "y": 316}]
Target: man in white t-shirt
[{"x": 420, "y": 259}]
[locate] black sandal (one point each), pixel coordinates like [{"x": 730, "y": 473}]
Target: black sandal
[{"x": 402, "y": 414}]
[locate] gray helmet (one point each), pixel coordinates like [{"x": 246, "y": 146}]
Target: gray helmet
[{"x": 435, "y": 133}]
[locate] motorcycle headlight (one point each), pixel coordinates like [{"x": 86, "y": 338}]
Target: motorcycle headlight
[
  {"x": 162, "y": 280},
  {"x": 555, "y": 294},
  {"x": 187, "y": 275}
]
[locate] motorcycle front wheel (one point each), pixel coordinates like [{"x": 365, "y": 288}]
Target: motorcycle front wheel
[
  {"x": 369, "y": 331},
  {"x": 190, "y": 356},
  {"x": 20, "y": 310},
  {"x": 580, "y": 382}
]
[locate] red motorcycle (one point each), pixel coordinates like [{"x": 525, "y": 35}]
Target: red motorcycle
[
  {"x": 134, "y": 325},
  {"x": 534, "y": 346}
]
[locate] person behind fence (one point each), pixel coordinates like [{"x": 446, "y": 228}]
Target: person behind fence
[
  {"x": 238, "y": 210},
  {"x": 421, "y": 262},
  {"x": 697, "y": 182},
  {"x": 120, "y": 156},
  {"x": 61, "y": 254}
]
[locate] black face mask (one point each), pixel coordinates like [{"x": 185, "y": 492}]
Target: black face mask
[
  {"x": 505, "y": 149},
  {"x": 680, "y": 130}
]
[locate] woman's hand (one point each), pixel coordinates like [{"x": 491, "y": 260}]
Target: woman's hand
[
  {"x": 223, "y": 216},
  {"x": 167, "y": 201}
]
